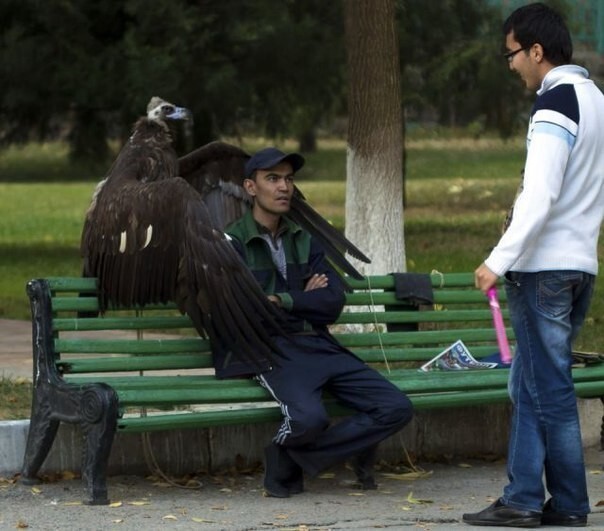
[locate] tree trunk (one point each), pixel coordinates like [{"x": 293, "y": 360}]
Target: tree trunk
[
  {"x": 307, "y": 141},
  {"x": 374, "y": 191}
]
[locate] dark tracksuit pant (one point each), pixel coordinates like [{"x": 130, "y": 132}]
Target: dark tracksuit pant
[{"x": 311, "y": 364}]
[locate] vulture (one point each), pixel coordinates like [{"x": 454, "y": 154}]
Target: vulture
[{"x": 153, "y": 233}]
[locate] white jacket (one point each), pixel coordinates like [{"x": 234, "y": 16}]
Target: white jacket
[{"x": 557, "y": 216}]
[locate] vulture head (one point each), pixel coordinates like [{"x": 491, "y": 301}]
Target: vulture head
[{"x": 160, "y": 111}]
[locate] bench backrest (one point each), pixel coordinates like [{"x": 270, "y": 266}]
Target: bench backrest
[{"x": 376, "y": 325}]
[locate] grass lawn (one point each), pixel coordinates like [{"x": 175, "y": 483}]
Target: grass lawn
[{"x": 457, "y": 194}]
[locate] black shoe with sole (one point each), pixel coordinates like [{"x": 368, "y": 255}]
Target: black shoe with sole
[
  {"x": 363, "y": 465},
  {"x": 502, "y": 515},
  {"x": 551, "y": 517}
]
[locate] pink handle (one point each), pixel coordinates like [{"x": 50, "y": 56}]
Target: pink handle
[{"x": 502, "y": 340}]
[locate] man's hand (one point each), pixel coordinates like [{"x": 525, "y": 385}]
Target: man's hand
[
  {"x": 315, "y": 282},
  {"x": 275, "y": 300},
  {"x": 484, "y": 278}
]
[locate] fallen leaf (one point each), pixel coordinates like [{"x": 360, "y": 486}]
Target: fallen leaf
[
  {"x": 163, "y": 484},
  {"x": 408, "y": 476},
  {"x": 595, "y": 472},
  {"x": 405, "y": 508},
  {"x": 115, "y": 504},
  {"x": 203, "y": 520},
  {"x": 118, "y": 521},
  {"x": 72, "y": 503},
  {"x": 169, "y": 517},
  {"x": 36, "y": 490},
  {"x": 282, "y": 516},
  {"x": 68, "y": 474},
  {"x": 138, "y": 503},
  {"x": 411, "y": 499},
  {"x": 600, "y": 503},
  {"x": 464, "y": 465},
  {"x": 226, "y": 489},
  {"x": 219, "y": 508},
  {"x": 327, "y": 475},
  {"x": 356, "y": 494},
  {"x": 22, "y": 525}
]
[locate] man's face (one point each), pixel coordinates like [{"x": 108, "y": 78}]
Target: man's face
[
  {"x": 523, "y": 63},
  {"x": 272, "y": 189}
]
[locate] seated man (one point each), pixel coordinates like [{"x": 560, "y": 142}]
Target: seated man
[{"x": 292, "y": 270}]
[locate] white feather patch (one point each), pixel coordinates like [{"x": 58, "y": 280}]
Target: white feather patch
[
  {"x": 123, "y": 242},
  {"x": 149, "y": 235}
]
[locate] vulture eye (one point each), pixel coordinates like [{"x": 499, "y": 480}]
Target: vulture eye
[{"x": 167, "y": 109}]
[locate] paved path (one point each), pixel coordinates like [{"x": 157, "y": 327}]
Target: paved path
[
  {"x": 234, "y": 502},
  {"x": 15, "y": 349}
]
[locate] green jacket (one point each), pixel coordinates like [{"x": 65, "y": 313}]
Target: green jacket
[{"x": 307, "y": 311}]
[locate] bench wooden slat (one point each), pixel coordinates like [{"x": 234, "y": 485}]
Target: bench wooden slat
[
  {"x": 130, "y": 346},
  {"x": 410, "y": 354},
  {"x": 389, "y": 298},
  {"x": 444, "y": 337},
  {"x": 205, "y": 419},
  {"x": 73, "y": 284},
  {"x": 438, "y": 280},
  {"x": 416, "y": 316},
  {"x": 136, "y": 363},
  {"x": 162, "y": 322}
]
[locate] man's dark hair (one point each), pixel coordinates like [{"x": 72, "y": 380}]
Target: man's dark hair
[{"x": 540, "y": 24}]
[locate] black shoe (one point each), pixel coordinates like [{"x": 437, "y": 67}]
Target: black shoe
[
  {"x": 295, "y": 484},
  {"x": 502, "y": 515},
  {"x": 282, "y": 475},
  {"x": 363, "y": 464},
  {"x": 551, "y": 517}
]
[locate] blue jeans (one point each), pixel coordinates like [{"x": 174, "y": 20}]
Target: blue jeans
[{"x": 547, "y": 309}]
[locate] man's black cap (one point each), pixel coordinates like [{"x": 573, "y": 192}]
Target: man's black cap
[{"x": 268, "y": 157}]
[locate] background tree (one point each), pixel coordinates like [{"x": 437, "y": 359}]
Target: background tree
[
  {"x": 374, "y": 166},
  {"x": 454, "y": 72},
  {"x": 83, "y": 71}
]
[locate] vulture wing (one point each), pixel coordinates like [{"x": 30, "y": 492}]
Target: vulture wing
[
  {"x": 336, "y": 245},
  {"x": 216, "y": 171},
  {"x": 151, "y": 242}
]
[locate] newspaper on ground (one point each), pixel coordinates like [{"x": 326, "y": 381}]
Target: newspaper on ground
[{"x": 457, "y": 357}]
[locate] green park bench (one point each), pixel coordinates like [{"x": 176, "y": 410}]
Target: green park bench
[{"x": 112, "y": 384}]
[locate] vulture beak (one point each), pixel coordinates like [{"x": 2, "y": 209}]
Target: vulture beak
[{"x": 180, "y": 113}]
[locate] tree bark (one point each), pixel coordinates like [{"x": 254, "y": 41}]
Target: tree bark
[{"x": 374, "y": 191}]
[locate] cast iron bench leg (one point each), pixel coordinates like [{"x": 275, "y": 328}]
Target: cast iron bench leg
[
  {"x": 42, "y": 432},
  {"x": 99, "y": 422}
]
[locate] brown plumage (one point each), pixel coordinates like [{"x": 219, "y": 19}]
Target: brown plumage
[{"x": 149, "y": 238}]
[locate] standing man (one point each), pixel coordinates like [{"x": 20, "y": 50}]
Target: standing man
[
  {"x": 292, "y": 270},
  {"x": 548, "y": 255}
]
